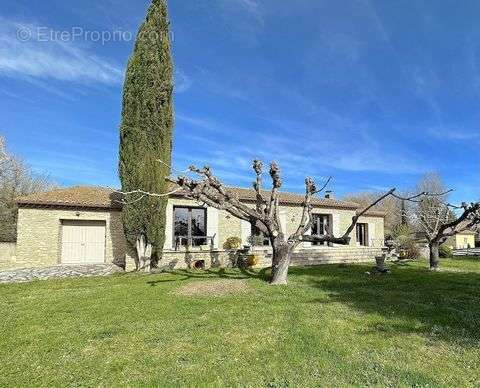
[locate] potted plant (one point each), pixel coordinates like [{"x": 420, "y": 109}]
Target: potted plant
[
  {"x": 232, "y": 243},
  {"x": 255, "y": 256}
]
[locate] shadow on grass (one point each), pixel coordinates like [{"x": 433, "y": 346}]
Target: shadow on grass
[
  {"x": 442, "y": 305},
  {"x": 214, "y": 273}
]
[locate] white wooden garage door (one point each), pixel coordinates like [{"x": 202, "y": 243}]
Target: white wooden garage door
[{"x": 83, "y": 242}]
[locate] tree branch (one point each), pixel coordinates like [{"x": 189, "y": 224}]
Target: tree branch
[
  {"x": 324, "y": 186},
  {"x": 469, "y": 218},
  {"x": 345, "y": 238},
  {"x": 276, "y": 184},
  {"x": 307, "y": 219},
  {"x": 257, "y": 185},
  {"x": 422, "y": 194},
  {"x": 145, "y": 193}
]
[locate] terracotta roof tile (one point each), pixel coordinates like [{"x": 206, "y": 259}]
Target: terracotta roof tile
[
  {"x": 104, "y": 198},
  {"x": 294, "y": 199},
  {"x": 79, "y": 196}
]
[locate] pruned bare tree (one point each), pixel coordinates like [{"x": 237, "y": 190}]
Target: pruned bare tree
[
  {"x": 265, "y": 214},
  {"x": 16, "y": 179},
  {"x": 208, "y": 190},
  {"x": 436, "y": 220}
]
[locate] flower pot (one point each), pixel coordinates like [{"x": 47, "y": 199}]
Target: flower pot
[{"x": 253, "y": 260}]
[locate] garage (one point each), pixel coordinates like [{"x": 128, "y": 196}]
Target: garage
[{"x": 83, "y": 242}]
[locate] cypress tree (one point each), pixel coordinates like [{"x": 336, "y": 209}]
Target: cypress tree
[{"x": 146, "y": 129}]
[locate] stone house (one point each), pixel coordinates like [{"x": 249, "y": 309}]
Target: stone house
[
  {"x": 82, "y": 225},
  {"x": 462, "y": 240}
]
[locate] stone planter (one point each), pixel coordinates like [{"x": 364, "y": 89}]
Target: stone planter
[{"x": 380, "y": 262}]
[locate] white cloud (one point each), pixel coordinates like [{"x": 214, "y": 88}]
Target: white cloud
[
  {"x": 52, "y": 59},
  {"x": 454, "y": 134},
  {"x": 345, "y": 46},
  {"x": 251, "y": 6},
  {"x": 318, "y": 154},
  {"x": 71, "y": 168},
  {"x": 182, "y": 81},
  {"x": 203, "y": 123}
]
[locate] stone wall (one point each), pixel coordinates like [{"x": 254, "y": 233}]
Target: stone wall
[
  {"x": 39, "y": 234},
  {"x": 225, "y": 225},
  {"x": 7, "y": 255},
  {"x": 183, "y": 259},
  {"x": 334, "y": 255}
]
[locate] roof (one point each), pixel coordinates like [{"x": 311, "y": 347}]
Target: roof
[
  {"x": 249, "y": 195},
  {"x": 105, "y": 198},
  {"x": 79, "y": 196},
  {"x": 468, "y": 232}
]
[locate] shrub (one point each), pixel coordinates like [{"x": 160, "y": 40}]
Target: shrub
[
  {"x": 405, "y": 243},
  {"x": 445, "y": 251},
  {"x": 253, "y": 260},
  {"x": 411, "y": 251},
  {"x": 232, "y": 243}
]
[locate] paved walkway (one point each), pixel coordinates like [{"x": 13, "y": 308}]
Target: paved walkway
[{"x": 57, "y": 272}]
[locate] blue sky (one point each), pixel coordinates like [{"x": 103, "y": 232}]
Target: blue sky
[{"x": 374, "y": 93}]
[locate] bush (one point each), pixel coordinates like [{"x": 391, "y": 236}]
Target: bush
[
  {"x": 253, "y": 260},
  {"x": 232, "y": 243},
  {"x": 412, "y": 252},
  {"x": 409, "y": 250},
  {"x": 405, "y": 243},
  {"x": 445, "y": 251}
]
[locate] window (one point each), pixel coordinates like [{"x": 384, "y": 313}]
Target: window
[
  {"x": 189, "y": 226},
  {"x": 258, "y": 237},
  {"x": 362, "y": 234},
  {"x": 321, "y": 227}
]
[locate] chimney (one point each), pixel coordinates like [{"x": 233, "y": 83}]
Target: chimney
[{"x": 329, "y": 194}]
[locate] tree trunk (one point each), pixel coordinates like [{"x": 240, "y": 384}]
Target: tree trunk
[
  {"x": 282, "y": 254},
  {"x": 434, "y": 256},
  {"x": 144, "y": 254}
]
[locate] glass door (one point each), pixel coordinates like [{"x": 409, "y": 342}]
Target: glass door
[{"x": 321, "y": 227}]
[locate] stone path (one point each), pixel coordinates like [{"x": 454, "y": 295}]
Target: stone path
[{"x": 57, "y": 272}]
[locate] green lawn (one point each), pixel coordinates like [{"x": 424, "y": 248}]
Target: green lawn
[{"x": 333, "y": 325}]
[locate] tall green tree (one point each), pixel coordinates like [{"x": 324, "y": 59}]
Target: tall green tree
[{"x": 146, "y": 133}]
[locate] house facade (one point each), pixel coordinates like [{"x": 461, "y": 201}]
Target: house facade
[
  {"x": 82, "y": 225},
  {"x": 462, "y": 240}
]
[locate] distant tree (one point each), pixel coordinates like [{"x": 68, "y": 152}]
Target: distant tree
[
  {"x": 435, "y": 219},
  {"x": 146, "y": 134},
  {"x": 16, "y": 180}
]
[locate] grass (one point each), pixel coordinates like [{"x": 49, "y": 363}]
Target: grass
[{"x": 333, "y": 325}]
